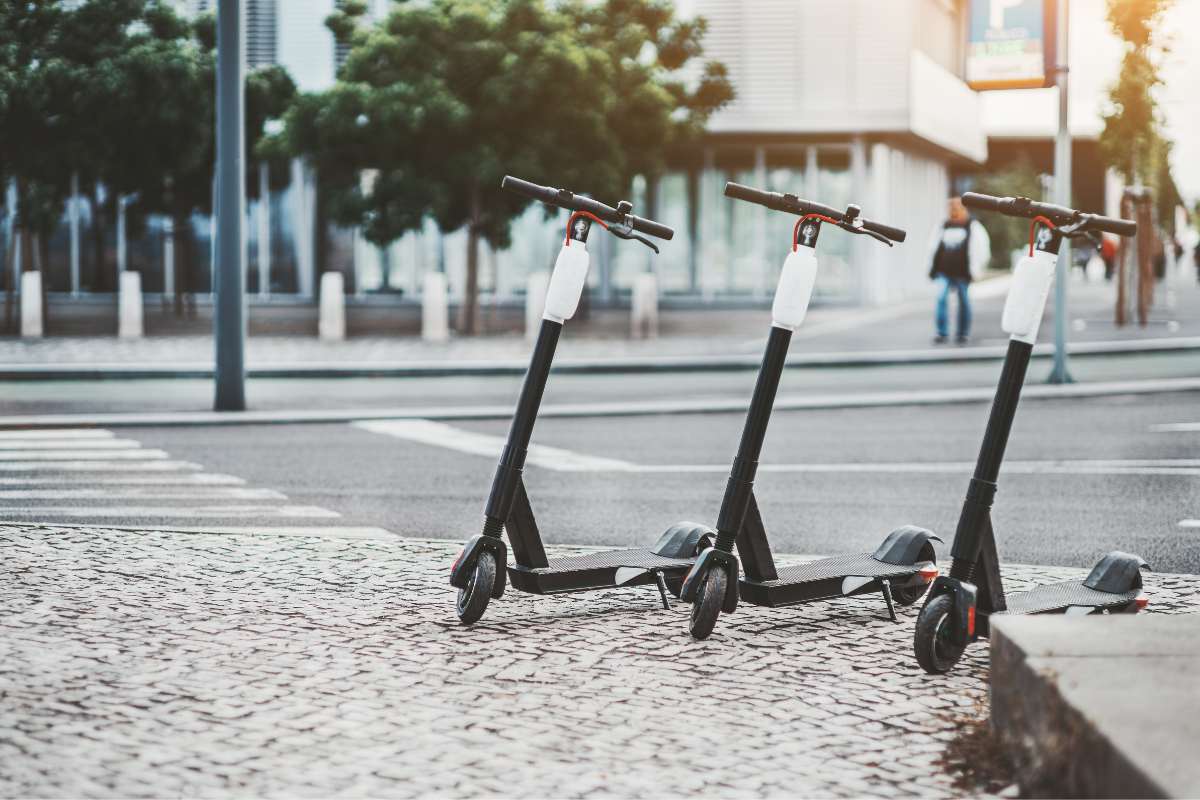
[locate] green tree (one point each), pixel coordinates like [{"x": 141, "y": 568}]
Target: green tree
[
  {"x": 442, "y": 98},
  {"x": 1016, "y": 179}
]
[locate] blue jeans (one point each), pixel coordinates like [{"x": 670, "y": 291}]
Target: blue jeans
[{"x": 943, "y": 302}]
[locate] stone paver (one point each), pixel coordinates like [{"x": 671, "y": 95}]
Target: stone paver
[{"x": 165, "y": 664}]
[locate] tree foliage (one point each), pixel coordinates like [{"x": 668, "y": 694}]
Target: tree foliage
[
  {"x": 1019, "y": 178},
  {"x": 442, "y": 98}
]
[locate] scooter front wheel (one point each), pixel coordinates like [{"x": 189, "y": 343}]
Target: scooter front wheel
[
  {"x": 473, "y": 598},
  {"x": 936, "y": 650},
  {"x": 706, "y": 608}
]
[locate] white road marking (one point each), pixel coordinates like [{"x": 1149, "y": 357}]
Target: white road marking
[
  {"x": 81, "y": 455},
  {"x": 96, "y": 466},
  {"x": 68, "y": 444},
  {"x": 1189, "y": 523},
  {"x": 166, "y": 479},
  {"x": 144, "y": 493},
  {"x": 439, "y": 434},
  {"x": 323, "y": 531},
  {"x": 45, "y": 513},
  {"x": 58, "y": 433},
  {"x": 1176, "y": 427}
]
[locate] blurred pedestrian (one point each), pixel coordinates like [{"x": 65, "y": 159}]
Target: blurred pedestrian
[
  {"x": 1196, "y": 258},
  {"x": 959, "y": 251}
]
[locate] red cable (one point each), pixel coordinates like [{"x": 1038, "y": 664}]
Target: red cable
[
  {"x": 799, "y": 222},
  {"x": 1033, "y": 230},
  {"x": 571, "y": 222}
]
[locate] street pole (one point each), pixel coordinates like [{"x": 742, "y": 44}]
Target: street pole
[
  {"x": 229, "y": 319},
  {"x": 1062, "y": 196}
]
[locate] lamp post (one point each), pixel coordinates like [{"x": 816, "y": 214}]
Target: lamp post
[
  {"x": 229, "y": 319},
  {"x": 1062, "y": 196}
]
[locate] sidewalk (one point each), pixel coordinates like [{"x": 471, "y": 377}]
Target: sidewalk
[
  {"x": 167, "y": 664},
  {"x": 692, "y": 339}
]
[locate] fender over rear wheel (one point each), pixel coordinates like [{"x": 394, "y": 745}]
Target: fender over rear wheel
[
  {"x": 706, "y": 608},
  {"x": 907, "y": 595},
  {"x": 934, "y": 642},
  {"x": 473, "y": 598}
]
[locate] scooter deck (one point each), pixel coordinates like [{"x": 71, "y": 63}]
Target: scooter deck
[
  {"x": 595, "y": 571},
  {"x": 824, "y": 578},
  {"x": 1056, "y": 597}
]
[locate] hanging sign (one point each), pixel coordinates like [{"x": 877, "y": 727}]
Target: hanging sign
[{"x": 1010, "y": 44}]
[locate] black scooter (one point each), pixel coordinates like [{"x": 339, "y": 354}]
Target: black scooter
[
  {"x": 903, "y": 565},
  {"x": 479, "y": 573},
  {"x": 960, "y": 604}
]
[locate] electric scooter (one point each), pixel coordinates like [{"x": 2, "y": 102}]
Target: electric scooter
[
  {"x": 900, "y": 568},
  {"x": 960, "y": 604},
  {"x": 479, "y": 571}
]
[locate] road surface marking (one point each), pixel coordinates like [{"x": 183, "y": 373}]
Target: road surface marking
[
  {"x": 168, "y": 479},
  {"x": 45, "y": 513},
  {"x": 322, "y": 531},
  {"x": 439, "y": 434},
  {"x": 81, "y": 455},
  {"x": 58, "y": 433},
  {"x": 1176, "y": 427},
  {"x": 96, "y": 466},
  {"x": 1189, "y": 523},
  {"x": 68, "y": 444},
  {"x": 201, "y": 493}
]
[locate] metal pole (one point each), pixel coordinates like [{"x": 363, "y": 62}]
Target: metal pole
[
  {"x": 229, "y": 319},
  {"x": 264, "y": 230},
  {"x": 1062, "y": 196},
  {"x": 73, "y": 209}
]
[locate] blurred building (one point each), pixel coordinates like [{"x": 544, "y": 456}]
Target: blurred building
[{"x": 860, "y": 102}]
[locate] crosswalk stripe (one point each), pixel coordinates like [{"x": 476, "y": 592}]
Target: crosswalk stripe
[
  {"x": 165, "y": 479},
  {"x": 146, "y": 493},
  {"x": 1176, "y": 427},
  {"x": 48, "y": 513},
  {"x": 68, "y": 444},
  {"x": 1189, "y": 523},
  {"x": 58, "y": 433},
  {"x": 96, "y": 466},
  {"x": 81, "y": 455}
]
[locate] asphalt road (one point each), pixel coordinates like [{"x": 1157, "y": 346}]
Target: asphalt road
[{"x": 832, "y": 481}]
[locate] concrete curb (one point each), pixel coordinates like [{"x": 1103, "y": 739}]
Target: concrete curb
[
  {"x": 1100, "y": 706},
  {"x": 581, "y": 366},
  {"x": 625, "y": 409}
]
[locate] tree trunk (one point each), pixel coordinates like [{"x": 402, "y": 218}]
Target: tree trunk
[
  {"x": 469, "y": 312},
  {"x": 100, "y": 267}
]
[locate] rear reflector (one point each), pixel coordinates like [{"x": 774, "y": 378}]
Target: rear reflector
[
  {"x": 1141, "y": 601},
  {"x": 928, "y": 572},
  {"x": 971, "y": 621}
]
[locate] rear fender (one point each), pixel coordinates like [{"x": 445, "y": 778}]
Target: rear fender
[
  {"x": 684, "y": 540},
  {"x": 464, "y": 565},
  {"x": 1117, "y": 573},
  {"x": 904, "y": 545}
]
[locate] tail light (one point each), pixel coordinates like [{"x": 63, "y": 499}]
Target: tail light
[
  {"x": 971, "y": 621},
  {"x": 928, "y": 572},
  {"x": 1141, "y": 601}
]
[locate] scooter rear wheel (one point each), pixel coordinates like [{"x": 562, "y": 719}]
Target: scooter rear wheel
[
  {"x": 933, "y": 643},
  {"x": 473, "y": 598},
  {"x": 706, "y": 608}
]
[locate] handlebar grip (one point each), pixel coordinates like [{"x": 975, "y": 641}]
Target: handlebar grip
[
  {"x": 530, "y": 190},
  {"x": 751, "y": 195},
  {"x": 1120, "y": 227},
  {"x": 895, "y": 234},
  {"x": 982, "y": 201},
  {"x": 650, "y": 227}
]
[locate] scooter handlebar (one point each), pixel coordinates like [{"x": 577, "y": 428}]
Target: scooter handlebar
[
  {"x": 794, "y": 205},
  {"x": 1059, "y": 215},
  {"x": 574, "y": 202}
]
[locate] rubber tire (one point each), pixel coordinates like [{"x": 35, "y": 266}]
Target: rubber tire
[
  {"x": 473, "y": 598},
  {"x": 935, "y": 652},
  {"x": 710, "y": 597}
]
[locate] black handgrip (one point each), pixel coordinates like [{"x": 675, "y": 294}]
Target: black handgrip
[
  {"x": 794, "y": 205},
  {"x": 574, "y": 202},
  {"x": 1059, "y": 215}
]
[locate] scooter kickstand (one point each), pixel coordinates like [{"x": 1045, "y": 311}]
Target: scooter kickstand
[
  {"x": 662, "y": 588},
  {"x": 887, "y": 597}
]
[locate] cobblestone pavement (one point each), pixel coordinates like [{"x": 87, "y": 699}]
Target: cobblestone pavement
[{"x": 168, "y": 664}]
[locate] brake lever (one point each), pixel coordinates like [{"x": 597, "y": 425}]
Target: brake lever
[
  {"x": 624, "y": 231},
  {"x": 846, "y": 226}
]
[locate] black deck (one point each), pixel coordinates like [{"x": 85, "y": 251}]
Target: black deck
[
  {"x": 822, "y": 579},
  {"x": 593, "y": 571},
  {"x": 1055, "y": 597}
]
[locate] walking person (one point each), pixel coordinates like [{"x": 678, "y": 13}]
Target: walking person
[{"x": 959, "y": 251}]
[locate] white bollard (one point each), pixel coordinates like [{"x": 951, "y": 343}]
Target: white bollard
[
  {"x": 435, "y": 308},
  {"x": 31, "y": 305},
  {"x": 129, "y": 305},
  {"x": 535, "y": 302},
  {"x": 331, "y": 325},
  {"x": 643, "y": 307}
]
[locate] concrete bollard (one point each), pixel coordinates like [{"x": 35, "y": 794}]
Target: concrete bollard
[
  {"x": 435, "y": 308},
  {"x": 129, "y": 305},
  {"x": 643, "y": 307},
  {"x": 31, "y": 305},
  {"x": 535, "y": 302},
  {"x": 331, "y": 325}
]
